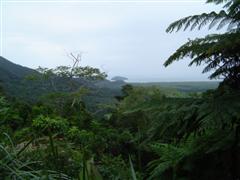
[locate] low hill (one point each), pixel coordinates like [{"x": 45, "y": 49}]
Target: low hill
[{"x": 194, "y": 86}]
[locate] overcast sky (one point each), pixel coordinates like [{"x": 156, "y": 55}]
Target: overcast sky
[{"x": 126, "y": 39}]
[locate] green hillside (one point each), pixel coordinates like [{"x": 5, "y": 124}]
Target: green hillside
[
  {"x": 16, "y": 83},
  {"x": 194, "y": 86}
]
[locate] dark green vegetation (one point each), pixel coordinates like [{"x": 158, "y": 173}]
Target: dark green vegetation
[
  {"x": 148, "y": 133},
  {"x": 200, "y": 86},
  {"x": 28, "y": 85}
]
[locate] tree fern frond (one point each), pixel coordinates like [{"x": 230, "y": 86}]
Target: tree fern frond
[
  {"x": 216, "y": 18},
  {"x": 223, "y": 23},
  {"x": 219, "y": 52},
  {"x": 212, "y": 65},
  {"x": 232, "y": 25},
  {"x": 217, "y": 1},
  {"x": 197, "y": 21}
]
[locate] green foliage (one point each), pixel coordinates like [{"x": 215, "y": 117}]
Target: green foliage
[
  {"x": 219, "y": 52},
  {"x": 134, "y": 176},
  {"x": 172, "y": 88},
  {"x": 10, "y": 117},
  {"x": 14, "y": 166},
  {"x": 230, "y": 16},
  {"x": 81, "y": 137},
  {"x": 149, "y": 133},
  {"x": 139, "y": 97},
  {"x": 3, "y": 107},
  {"x": 170, "y": 158},
  {"x": 50, "y": 125},
  {"x": 73, "y": 72},
  {"x": 167, "y": 136},
  {"x": 114, "y": 168}
]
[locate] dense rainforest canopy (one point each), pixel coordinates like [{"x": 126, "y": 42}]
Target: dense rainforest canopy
[{"x": 147, "y": 133}]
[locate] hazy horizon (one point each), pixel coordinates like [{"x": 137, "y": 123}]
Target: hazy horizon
[{"x": 121, "y": 39}]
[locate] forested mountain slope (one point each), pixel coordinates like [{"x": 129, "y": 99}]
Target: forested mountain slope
[{"x": 17, "y": 82}]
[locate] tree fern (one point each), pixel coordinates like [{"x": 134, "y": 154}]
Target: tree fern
[
  {"x": 230, "y": 16},
  {"x": 219, "y": 52}
]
